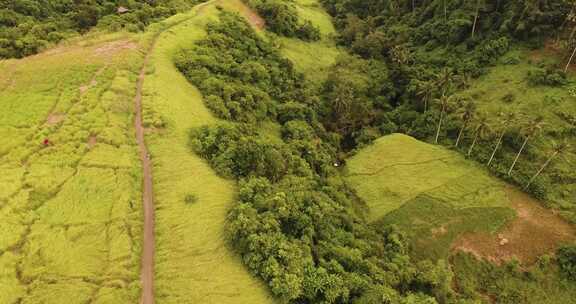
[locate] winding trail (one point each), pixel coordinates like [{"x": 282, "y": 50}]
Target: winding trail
[
  {"x": 149, "y": 242},
  {"x": 148, "y": 246}
]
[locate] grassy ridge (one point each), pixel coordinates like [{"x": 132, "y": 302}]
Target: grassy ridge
[
  {"x": 193, "y": 261},
  {"x": 70, "y": 217}
]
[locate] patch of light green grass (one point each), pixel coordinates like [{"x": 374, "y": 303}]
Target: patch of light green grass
[
  {"x": 313, "y": 58},
  {"x": 193, "y": 263},
  {"x": 398, "y": 168}
]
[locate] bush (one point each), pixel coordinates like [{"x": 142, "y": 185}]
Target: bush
[
  {"x": 547, "y": 77},
  {"x": 566, "y": 257}
]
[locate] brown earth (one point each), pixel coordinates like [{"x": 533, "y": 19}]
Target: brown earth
[
  {"x": 55, "y": 118},
  {"x": 536, "y": 231}
]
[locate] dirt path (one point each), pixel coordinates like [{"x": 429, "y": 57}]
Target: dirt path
[
  {"x": 148, "y": 246},
  {"x": 535, "y": 231},
  {"x": 149, "y": 242}
]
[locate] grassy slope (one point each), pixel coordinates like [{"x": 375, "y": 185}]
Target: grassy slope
[
  {"x": 70, "y": 217},
  {"x": 194, "y": 264},
  {"x": 405, "y": 181},
  {"x": 503, "y": 80},
  {"x": 313, "y": 58}
]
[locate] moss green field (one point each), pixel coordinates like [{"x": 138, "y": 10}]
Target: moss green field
[
  {"x": 429, "y": 191},
  {"x": 70, "y": 211}
]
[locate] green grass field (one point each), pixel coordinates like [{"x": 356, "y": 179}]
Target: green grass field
[
  {"x": 193, "y": 262},
  {"x": 432, "y": 193},
  {"x": 70, "y": 211}
]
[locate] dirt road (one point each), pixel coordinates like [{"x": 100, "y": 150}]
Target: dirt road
[
  {"x": 149, "y": 243},
  {"x": 148, "y": 246}
]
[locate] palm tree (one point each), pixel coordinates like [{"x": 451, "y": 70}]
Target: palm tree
[
  {"x": 570, "y": 60},
  {"x": 425, "y": 92},
  {"x": 534, "y": 126},
  {"x": 466, "y": 113},
  {"x": 445, "y": 80},
  {"x": 557, "y": 149},
  {"x": 444, "y": 102},
  {"x": 505, "y": 120},
  {"x": 478, "y": 2},
  {"x": 481, "y": 130}
]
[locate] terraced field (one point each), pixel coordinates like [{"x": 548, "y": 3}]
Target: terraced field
[
  {"x": 70, "y": 211},
  {"x": 443, "y": 201}
]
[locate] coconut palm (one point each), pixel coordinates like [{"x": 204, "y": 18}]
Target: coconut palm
[
  {"x": 532, "y": 129},
  {"x": 557, "y": 150},
  {"x": 478, "y": 3},
  {"x": 425, "y": 92},
  {"x": 445, "y": 80},
  {"x": 465, "y": 112},
  {"x": 570, "y": 60},
  {"x": 505, "y": 120},
  {"x": 444, "y": 103},
  {"x": 481, "y": 130}
]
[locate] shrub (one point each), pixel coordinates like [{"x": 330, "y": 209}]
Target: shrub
[
  {"x": 546, "y": 77},
  {"x": 567, "y": 260}
]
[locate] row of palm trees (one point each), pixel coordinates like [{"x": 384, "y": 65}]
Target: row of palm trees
[
  {"x": 465, "y": 110},
  {"x": 482, "y": 128}
]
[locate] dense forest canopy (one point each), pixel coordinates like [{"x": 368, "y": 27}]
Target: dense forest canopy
[{"x": 28, "y": 26}]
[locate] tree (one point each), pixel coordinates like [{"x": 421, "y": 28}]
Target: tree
[
  {"x": 444, "y": 102},
  {"x": 570, "y": 60},
  {"x": 482, "y": 129},
  {"x": 557, "y": 149},
  {"x": 466, "y": 113},
  {"x": 425, "y": 91},
  {"x": 445, "y": 80},
  {"x": 534, "y": 126},
  {"x": 478, "y": 3},
  {"x": 505, "y": 120}
]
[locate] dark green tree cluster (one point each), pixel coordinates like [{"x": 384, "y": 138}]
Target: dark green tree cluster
[
  {"x": 296, "y": 223},
  {"x": 282, "y": 18},
  {"x": 28, "y": 26},
  {"x": 246, "y": 83}
]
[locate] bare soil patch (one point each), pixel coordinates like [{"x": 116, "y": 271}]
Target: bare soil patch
[
  {"x": 251, "y": 16},
  {"x": 111, "y": 48},
  {"x": 535, "y": 231},
  {"x": 92, "y": 141},
  {"x": 55, "y": 118}
]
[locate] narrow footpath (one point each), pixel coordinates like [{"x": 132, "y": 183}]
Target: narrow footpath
[{"x": 149, "y": 242}]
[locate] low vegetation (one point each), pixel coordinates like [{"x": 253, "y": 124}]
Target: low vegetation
[{"x": 70, "y": 185}]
